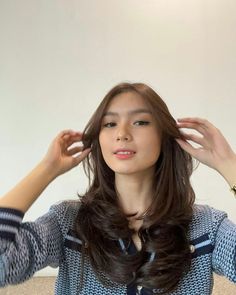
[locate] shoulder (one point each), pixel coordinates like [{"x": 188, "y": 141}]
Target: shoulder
[
  {"x": 206, "y": 219},
  {"x": 65, "y": 212},
  {"x": 66, "y": 205},
  {"x": 207, "y": 213}
]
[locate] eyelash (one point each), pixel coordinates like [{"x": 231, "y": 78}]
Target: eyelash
[{"x": 145, "y": 123}]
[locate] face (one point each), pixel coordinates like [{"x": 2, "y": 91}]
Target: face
[{"x": 128, "y": 124}]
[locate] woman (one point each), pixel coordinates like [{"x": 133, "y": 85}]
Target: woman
[{"x": 136, "y": 230}]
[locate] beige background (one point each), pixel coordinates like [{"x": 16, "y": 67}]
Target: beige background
[{"x": 58, "y": 59}]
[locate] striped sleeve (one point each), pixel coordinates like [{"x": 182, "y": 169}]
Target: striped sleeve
[
  {"x": 26, "y": 247},
  {"x": 10, "y": 220},
  {"x": 224, "y": 254}
]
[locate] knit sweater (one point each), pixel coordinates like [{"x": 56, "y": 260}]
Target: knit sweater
[{"x": 26, "y": 247}]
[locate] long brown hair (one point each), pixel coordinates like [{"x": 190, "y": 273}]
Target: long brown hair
[{"x": 100, "y": 222}]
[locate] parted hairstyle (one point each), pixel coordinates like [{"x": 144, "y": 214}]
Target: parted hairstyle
[{"x": 100, "y": 221}]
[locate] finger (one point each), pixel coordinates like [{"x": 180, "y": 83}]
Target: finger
[
  {"x": 73, "y": 140},
  {"x": 193, "y": 137},
  {"x": 81, "y": 157},
  {"x": 74, "y": 150},
  {"x": 72, "y": 134},
  {"x": 69, "y": 139},
  {"x": 192, "y": 119},
  {"x": 65, "y": 132},
  {"x": 200, "y": 128},
  {"x": 197, "y": 120},
  {"x": 200, "y": 121},
  {"x": 187, "y": 147}
]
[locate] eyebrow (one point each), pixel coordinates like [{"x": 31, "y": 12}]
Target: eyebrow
[{"x": 132, "y": 112}]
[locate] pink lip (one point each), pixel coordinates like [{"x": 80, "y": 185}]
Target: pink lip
[
  {"x": 120, "y": 156},
  {"x": 124, "y": 150}
]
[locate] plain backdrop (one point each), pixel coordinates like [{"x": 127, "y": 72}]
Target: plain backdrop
[{"x": 59, "y": 58}]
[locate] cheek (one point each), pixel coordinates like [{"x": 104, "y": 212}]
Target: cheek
[
  {"x": 154, "y": 153},
  {"x": 150, "y": 143}
]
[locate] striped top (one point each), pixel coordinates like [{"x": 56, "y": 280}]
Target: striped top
[{"x": 26, "y": 247}]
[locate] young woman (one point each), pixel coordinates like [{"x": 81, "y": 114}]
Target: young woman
[{"x": 136, "y": 230}]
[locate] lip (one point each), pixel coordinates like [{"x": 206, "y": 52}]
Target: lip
[
  {"x": 119, "y": 156},
  {"x": 124, "y": 150}
]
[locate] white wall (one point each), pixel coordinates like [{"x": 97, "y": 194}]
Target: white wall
[{"x": 59, "y": 58}]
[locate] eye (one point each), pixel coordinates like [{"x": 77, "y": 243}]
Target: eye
[
  {"x": 112, "y": 124},
  {"x": 142, "y": 122},
  {"x": 108, "y": 124}
]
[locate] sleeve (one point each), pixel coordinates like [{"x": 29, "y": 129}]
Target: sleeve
[
  {"x": 26, "y": 247},
  {"x": 224, "y": 253}
]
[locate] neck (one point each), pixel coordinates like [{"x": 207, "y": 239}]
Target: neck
[{"x": 135, "y": 193}]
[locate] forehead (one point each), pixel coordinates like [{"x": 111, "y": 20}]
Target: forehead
[{"x": 129, "y": 103}]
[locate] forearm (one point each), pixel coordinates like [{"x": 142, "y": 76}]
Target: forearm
[
  {"x": 228, "y": 170},
  {"x": 23, "y": 195}
]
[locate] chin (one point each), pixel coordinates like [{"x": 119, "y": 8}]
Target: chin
[{"x": 126, "y": 171}]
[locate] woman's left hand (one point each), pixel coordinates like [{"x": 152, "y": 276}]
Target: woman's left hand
[{"x": 214, "y": 150}]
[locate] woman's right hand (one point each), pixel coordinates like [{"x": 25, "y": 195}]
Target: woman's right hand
[{"x": 59, "y": 158}]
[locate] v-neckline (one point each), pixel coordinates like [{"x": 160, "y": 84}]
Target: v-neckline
[{"x": 132, "y": 249}]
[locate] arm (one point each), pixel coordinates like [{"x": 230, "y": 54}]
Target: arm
[
  {"x": 58, "y": 160},
  {"x": 224, "y": 253},
  {"x": 214, "y": 152},
  {"x": 228, "y": 171},
  {"x": 26, "y": 247},
  {"x": 23, "y": 195}
]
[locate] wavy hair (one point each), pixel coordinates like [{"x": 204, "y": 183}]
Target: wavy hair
[{"x": 100, "y": 221}]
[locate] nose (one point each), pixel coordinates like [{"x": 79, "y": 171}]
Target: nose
[{"x": 123, "y": 134}]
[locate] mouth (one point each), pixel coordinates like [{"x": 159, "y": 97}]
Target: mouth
[
  {"x": 124, "y": 155},
  {"x": 124, "y": 152}
]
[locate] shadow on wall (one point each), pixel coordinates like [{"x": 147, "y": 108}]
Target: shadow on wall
[{"x": 45, "y": 286}]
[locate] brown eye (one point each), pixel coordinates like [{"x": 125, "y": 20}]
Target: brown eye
[
  {"x": 142, "y": 122},
  {"x": 110, "y": 124}
]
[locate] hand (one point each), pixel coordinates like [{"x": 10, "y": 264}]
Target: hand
[
  {"x": 214, "y": 152},
  {"x": 59, "y": 157}
]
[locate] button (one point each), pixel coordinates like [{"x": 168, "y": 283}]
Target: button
[{"x": 192, "y": 248}]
